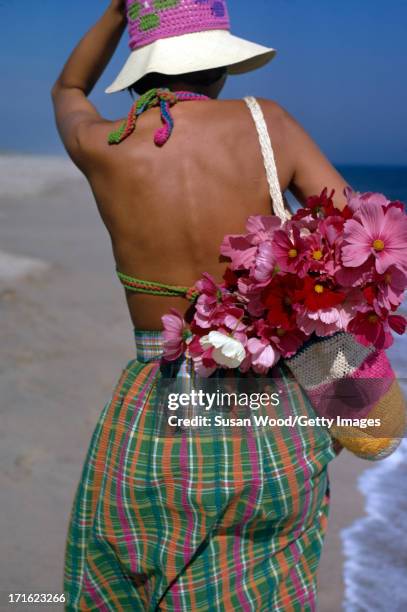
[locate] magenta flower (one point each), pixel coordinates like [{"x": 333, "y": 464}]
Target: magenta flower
[
  {"x": 252, "y": 292},
  {"x": 376, "y": 234},
  {"x": 288, "y": 342},
  {"x": 354, "y": 277},
  {"x": 370, "y": 328},
  {"x": 175, "y": 335},
  {"x": 204, "y": 365},
  {"x": 317, "y": 257},
  {"x": 288, "y": 249}
]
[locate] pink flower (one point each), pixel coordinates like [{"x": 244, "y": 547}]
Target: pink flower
[
  {"x": 390, "y": 288},
  {"x": 175, "y": 335},
  {"x": 242, "y": 249},
  {"x": 265, "y": 264},
  {"x": 287, "y": 342},
  {"x": 370, "y": 328},
  {"x": 374, "y": 234},
  {"x": 261, "y": 228},
  {"x": 288, "y": 249},
  {"x": 264, "y": 355},
  {"x": 212, "y": 303},
  {"x": 385, "y": 292},
  {"x": 356, "y": 199},
  {"x": 233, "y": 320},
  {"x": 324, "y": 322},
  {"x": 204, "y": 365}
]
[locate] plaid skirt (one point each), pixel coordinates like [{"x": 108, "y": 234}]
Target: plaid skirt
[{"x": 195, "y": 523}]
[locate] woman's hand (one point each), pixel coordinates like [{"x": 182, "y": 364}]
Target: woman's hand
[{"x": 118, "y": 5}]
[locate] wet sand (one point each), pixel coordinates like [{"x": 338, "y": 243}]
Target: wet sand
[{"x": 64, "y": 338}]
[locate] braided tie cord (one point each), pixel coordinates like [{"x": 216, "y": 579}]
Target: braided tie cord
[
  {"x": 137, "y": 285},
  {"x": 162, "y": 98}
]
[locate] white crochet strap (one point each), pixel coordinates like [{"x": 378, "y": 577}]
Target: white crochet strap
[{"x": 268, "y": 157}]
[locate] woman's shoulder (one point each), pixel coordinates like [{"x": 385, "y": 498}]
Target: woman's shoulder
[{"x": 275, "y": 111}]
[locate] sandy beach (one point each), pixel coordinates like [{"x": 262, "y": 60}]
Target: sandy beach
[{"x": 64, "y": 338}]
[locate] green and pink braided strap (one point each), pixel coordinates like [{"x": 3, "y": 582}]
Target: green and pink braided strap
[
  {"x": 163, "y": 98},
  {"x": 137, "y": 285}
]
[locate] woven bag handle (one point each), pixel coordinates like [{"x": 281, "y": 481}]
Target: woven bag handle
[{"x": 268, "y": 157}]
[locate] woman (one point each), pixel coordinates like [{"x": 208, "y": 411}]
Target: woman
[{"x": 167, "y": 522}]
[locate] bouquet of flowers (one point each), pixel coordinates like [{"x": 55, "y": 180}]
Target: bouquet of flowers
[{"x": 321, "y": 272}]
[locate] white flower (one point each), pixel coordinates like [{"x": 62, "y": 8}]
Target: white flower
[{"x": 227, "y": 351}]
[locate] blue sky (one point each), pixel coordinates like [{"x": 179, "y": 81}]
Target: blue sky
[{"x": 341, "y": 70}]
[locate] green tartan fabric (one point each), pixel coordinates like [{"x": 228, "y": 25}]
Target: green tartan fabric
[{"x": 195, "y": 523}]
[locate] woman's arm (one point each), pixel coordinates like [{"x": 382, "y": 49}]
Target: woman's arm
[
  {"x": 73, "y": 111},
  {"x": 311, "y": 170}
]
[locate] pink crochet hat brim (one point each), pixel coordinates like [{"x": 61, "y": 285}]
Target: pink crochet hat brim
[{"x": 192, "y": 53}]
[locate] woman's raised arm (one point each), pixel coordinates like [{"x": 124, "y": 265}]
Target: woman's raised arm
[{"x": 80, "y": 74}]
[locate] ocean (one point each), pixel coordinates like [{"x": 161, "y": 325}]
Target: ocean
[
  {"x": 390, "y": 180},
  {"x": 375, "y": 546}
]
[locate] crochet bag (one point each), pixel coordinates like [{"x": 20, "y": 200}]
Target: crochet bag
[
  {"x": 342, "y": 378},
  {"x": 345, "y": 381}
]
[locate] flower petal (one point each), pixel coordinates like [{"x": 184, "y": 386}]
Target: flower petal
[{"x": 372, "y": 219}]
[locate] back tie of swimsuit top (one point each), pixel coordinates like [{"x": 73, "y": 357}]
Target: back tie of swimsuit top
[{"x": 137, "y": 285}]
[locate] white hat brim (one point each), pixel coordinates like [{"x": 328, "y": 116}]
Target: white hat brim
[{"x": 192, "y": 53}]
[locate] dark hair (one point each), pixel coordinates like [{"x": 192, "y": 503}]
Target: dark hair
[{"x": 202, "y": 78}]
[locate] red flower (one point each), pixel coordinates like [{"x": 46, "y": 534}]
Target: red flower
[
  {"x": 317, "y": 295},
  {"x": 318, "y": 206},
  {"x": 346, "y": 213},
  {"x": 370, "y": 294},
  {"x": 370, "y": 328},
  {"x": 230, "y": 279},
  {"x": 278, "y": 298},
  {"x": 396, "y": 204}
]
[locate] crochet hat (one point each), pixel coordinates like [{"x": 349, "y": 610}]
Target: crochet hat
[{"x": 180, "y": 36}]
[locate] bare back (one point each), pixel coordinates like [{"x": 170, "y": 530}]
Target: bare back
[{"x": 167, "y": 209}]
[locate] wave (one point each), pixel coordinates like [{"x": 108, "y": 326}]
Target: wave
[{"x": 375, "y": 546}]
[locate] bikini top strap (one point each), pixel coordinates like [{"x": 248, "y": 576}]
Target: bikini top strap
[{"x": 268, "y": 157}]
